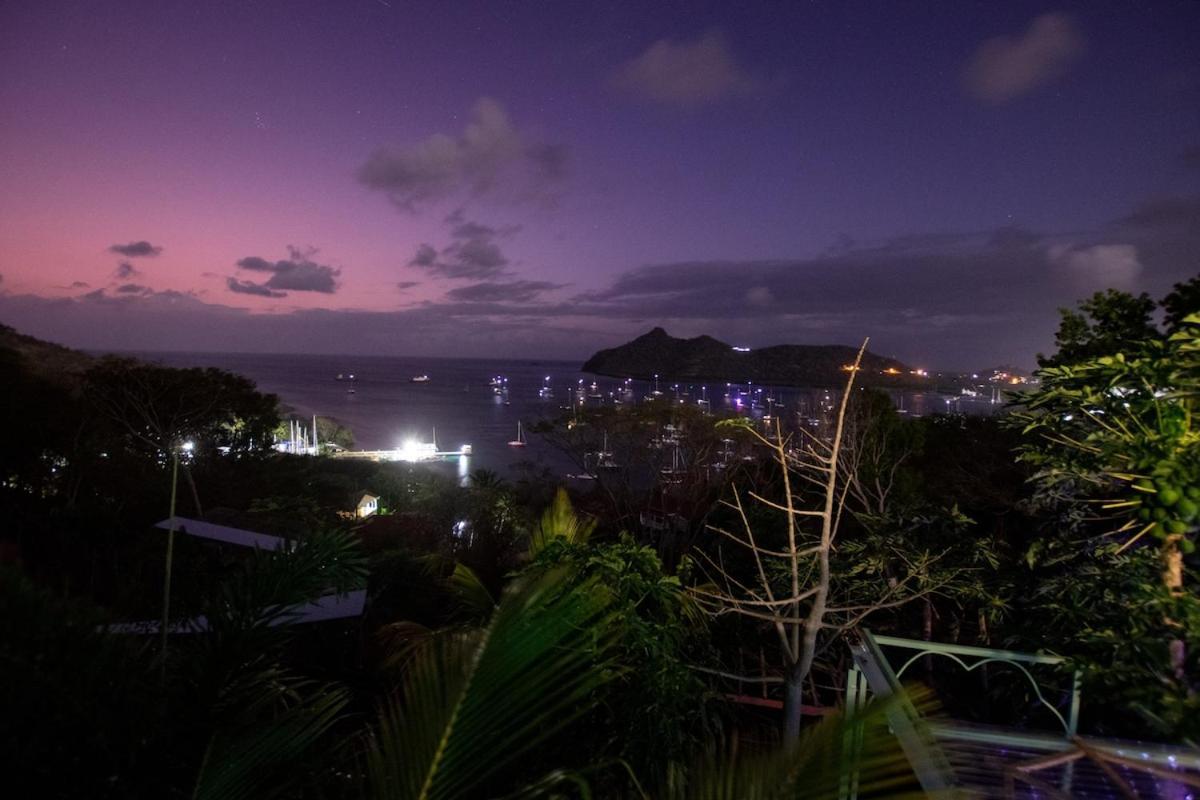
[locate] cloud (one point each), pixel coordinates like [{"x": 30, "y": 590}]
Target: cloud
[
  {"x": 943, "y": 300},
  {"x": 1190, "y": 157},
  {"x": 125, "y": 270},
  {"x": 132, "y": 288},
  {"x": 249, "y": 287},
  {"x": 407, "y": 284},
  {"x": 1107, "y": 265},
  {"x": 426, "y": 256},
  {"x": 685, "y": 74},
  {"x": 759, "y": 296},
  {"x": 510, "y": 292},
  {"x": 297, "y": 273},
  {"x": 472, "y": 253},
  {"x": 1169, "y": 212},
  {"x": 78, "y": 285},
  {"x": 142, "y": 249},
  {"x": 1004, "y": 68},
  {"x": 490, "y": 157}
]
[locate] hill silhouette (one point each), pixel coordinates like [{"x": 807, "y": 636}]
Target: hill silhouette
[{"x": 706, "y": 358}]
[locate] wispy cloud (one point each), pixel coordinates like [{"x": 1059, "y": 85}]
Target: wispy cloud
[
  {"x": 142, "y": 249},
  {"x": 507, "y": 292},
  {"x": 489, "y": 157},
  {"x": 686, "y": 74},
  {"x": 1007, "y": 67},
  {"x": 249, "y": 287},
  {"x": 125, "y": 270},
  {"x": 297, "y": 273},
  {"x": 946, "y": 299},
  {"x": 474, "y": 251}
]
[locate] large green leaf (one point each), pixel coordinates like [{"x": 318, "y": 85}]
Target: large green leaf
[
  {"x": 560, "y": 521},
  {"x": 840, "y": 751},
  {"x": 260, "y": 760},
  {"x": 472, "y": 706}
]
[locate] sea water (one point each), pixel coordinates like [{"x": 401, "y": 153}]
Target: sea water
[{"x": 459, "y": 405}]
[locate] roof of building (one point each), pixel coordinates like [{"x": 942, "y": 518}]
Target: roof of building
[
  {"x": 223, "y": 533},
  {"x": 324, "y": 608}
]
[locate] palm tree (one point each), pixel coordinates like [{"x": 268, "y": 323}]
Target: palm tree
[{"x": 473, "y": 705}]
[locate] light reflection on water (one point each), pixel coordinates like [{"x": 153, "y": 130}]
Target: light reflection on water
[{"x": 459, "y": 406}]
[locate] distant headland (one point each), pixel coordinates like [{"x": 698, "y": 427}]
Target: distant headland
[{"x": 706, "y": 358}]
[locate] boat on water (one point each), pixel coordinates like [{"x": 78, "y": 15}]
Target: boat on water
[
  {"x": 604, "y": 458},
  {"x": 350, "y": 390},
  {"x": 342, "y": 376},
  {"x": 520, "y": 440},
  {"x": 419, "y": 379},
  {"x": 673, "y": 473}
]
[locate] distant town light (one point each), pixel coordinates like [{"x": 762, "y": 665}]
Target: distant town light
[{"x": 742, "y": 349}]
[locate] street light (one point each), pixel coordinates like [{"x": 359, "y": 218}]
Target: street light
[{"x": 186, "y": 447}]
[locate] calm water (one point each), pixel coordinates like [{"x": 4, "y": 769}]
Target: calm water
[{"x": 458, "y": 403}]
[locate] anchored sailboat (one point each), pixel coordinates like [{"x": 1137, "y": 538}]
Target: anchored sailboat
[
  {"x": 604, "y": 458},
  {"x": 520, "y": 440}
]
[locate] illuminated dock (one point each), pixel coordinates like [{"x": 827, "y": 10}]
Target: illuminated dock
[{"x": 411, "y": 452}]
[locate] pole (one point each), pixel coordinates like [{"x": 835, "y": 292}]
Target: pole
[{"x": 166, "y": 603}]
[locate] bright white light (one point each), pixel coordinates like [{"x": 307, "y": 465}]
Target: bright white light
[
  {"x": 412, "y": 450},
  {"x": 188, "y": 446}
]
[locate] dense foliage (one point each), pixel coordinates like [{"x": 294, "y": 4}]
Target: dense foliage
[{"x": 1113, "y": 435}]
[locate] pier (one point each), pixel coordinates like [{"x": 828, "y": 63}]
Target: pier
[{"x": 410, "y": 451}]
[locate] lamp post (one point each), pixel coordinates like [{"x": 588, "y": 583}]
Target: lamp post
[{"x": 166, "y": 602}]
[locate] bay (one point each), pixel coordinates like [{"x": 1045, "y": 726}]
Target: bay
[{"x": 458, "y": 405}]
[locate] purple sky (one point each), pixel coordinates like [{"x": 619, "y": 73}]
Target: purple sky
[{"x": 544, "y": 179}]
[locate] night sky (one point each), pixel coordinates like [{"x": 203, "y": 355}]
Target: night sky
[{"x": 541, "y": 179}]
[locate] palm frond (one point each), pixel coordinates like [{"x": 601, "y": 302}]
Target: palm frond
[
  {"x": 475, "y": 601},
  {"x": 271, "y": 583},
  {"x": 260, "y": 760},
  {"x": 560, "y": 521},
  {"x": 821, "y": 765},
  {"x": 469, "y": 709}
]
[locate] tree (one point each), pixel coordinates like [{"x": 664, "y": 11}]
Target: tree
[
  {"x": 877, "y": 448},
  {"x": 331, "y": 431},
  {"x": 1105, "y": 323},
  {"x": 658, "y": 712},
  {"x": 473, "y": 706},
  {"x": 1120, "y": 433},
  {"x": 1183, "y": 300},
  {"x": 793, "y": 585},
  {"x": 155, "y": 409}
]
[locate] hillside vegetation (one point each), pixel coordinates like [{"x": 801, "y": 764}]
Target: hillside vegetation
[{"x": 706, "y": 358}]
